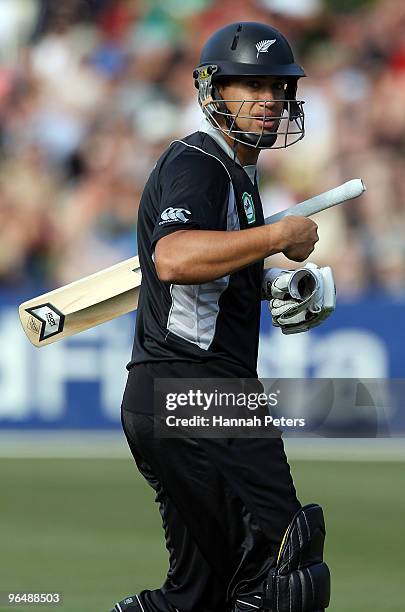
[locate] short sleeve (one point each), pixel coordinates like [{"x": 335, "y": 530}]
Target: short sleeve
[{"x": 194, "y": 195}]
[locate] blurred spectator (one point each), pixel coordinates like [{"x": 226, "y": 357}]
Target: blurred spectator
[{"x": 91, "y": 92}]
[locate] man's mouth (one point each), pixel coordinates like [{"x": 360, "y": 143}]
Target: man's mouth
[{"x": 266, "y": 121}]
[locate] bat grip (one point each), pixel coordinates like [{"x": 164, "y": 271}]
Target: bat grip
[{"x": 323, "y": 201}]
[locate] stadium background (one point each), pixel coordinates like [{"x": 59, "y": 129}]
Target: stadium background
[{"x": 90, "y": 93}]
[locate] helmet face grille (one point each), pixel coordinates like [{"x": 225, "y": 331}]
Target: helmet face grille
[{"x": 289, "y": 127}]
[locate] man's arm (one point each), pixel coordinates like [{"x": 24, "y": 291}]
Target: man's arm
[{"x": 199, "y": 256}]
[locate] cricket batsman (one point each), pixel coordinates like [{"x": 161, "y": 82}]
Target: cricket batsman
[{"x": 237, "y": 536}]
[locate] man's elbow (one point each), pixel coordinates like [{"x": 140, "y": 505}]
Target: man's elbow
[
  {"x": 167, "y": 265},
  {"x": 166, "y": 270},
  {"x": 170, "y": 266}
]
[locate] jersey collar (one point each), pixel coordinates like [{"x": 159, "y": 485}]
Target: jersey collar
[{"x": 216, "y": 135}]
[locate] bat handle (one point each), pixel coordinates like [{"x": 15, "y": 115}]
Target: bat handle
[{"x": 323, "y": 201}]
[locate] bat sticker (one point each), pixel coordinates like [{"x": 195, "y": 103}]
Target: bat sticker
[{"x": 50, "y": 318}]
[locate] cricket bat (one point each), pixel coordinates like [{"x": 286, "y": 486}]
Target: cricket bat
[{"x": 114, "y": 291}]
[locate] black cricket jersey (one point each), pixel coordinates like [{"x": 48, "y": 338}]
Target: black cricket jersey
[{"x": 196, "y": 185}]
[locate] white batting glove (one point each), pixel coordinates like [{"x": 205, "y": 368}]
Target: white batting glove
[{"x": 300, "y": 299}]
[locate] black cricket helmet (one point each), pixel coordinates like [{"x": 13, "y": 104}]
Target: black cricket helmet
[{"x": 250, "y": 49}]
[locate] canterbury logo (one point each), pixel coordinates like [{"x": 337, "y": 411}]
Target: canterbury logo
[
  {"x": 175, "y": 214},
  {"x": 263, "y": 46}
]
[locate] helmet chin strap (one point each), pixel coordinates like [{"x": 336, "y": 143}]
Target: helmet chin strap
[{"x": 266, "y": 141}]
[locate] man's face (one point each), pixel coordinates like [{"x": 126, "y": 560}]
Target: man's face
[{"x": 257, "y": 101}]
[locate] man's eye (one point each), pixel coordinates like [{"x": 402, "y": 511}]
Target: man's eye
[
  {"x": 280, "y": 86},
  {"x": 254, "y": 84}
]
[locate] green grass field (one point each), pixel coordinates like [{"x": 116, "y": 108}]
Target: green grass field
[{"x": 89, "y": 529}]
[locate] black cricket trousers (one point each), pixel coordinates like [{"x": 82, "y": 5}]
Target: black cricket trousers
[{"x": 225, "y": 503}]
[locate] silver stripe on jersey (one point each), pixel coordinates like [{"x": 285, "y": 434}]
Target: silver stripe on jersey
[
  {"x": 195, "y": 308},
  {"x": 205, "y": 153}
]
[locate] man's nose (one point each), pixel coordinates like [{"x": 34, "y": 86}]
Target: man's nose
[
  {"x": 268, "y": 100},
  {"x": 271, "y": 93}
]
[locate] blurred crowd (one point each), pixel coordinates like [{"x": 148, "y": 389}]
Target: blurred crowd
[{"x": 92, "y": 91}]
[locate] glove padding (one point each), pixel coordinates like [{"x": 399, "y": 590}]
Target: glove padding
[{"x": 301, "y": 299}]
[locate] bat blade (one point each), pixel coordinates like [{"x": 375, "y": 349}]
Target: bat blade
[{"x": 82, "y": 304}]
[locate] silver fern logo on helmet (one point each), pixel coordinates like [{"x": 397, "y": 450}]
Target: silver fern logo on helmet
[{"x": 263, "y": 46}]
